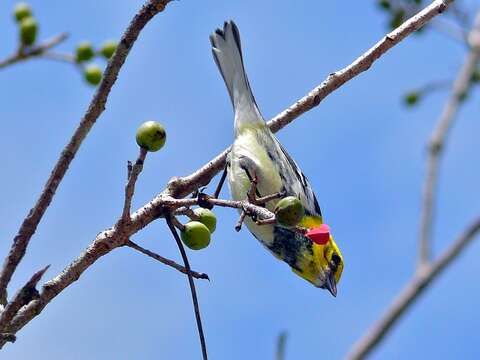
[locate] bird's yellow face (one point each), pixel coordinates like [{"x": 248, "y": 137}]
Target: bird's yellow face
[{"x": 323, "y": 267}]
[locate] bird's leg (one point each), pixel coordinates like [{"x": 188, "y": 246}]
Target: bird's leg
[
  {"x": 243, "y": 214},
  {"x": 252, "y": 192},
  {"x": 266, "y": 221}
]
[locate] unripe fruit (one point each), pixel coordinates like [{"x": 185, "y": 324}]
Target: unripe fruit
[
  {"x": 412, "y": 98},
  {"x": 84, "y": 51},
  {"x": 289, "y": 211},
  {"x": 384, "y": 4},
  {"x": 93, "y": 74},
  {"x": 151, "y": 136},
  {"x": 108, "y": 48},
  {"x": 475, "y": 76},
  {"x": 207, "y": 218},
  {"x": 28, "y": 31},
  {"x": 195, "y": 235},
  {"x": 397, "y": 19},
  {"x": 22, "y": 11}
]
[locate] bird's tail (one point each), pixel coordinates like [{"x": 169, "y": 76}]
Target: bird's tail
[{"x": 227, "y": 52}]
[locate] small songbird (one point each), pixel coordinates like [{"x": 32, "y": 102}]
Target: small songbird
[{"x": 257, "y": 155}]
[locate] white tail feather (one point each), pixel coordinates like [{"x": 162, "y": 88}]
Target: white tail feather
[{"x": 227, "y": 52}]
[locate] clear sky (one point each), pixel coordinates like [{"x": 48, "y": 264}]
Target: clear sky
[{"x": 361, "y": 149}]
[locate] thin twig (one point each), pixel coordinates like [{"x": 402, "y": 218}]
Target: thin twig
[
  {"x": 363, "y": 63},
  {"x": 96, "y": 107},
  {"x": 114, "y": 237},
  {"x": 452, "y": 30},
  {"x": 437, "y": 145},
  {"x": 23, "y": 296},
  {"x": 417, "y": 285},
  {"x": 281, "y": 342},
  {"x": 25, "y": 53},
  {"x": 61, "y": 57},
  {"x": 133, "y": 172},
  {"x": 192, "y": 286},
  {"x": 267, "y": 198},
  {"x": 216, "y": 194},
  {"x": 166, "y": 261}
]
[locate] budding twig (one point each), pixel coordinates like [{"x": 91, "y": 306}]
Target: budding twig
[
  {"x": 132, "y": 173},
  {"x": 23, "y": 296},
  {"x": 24, "y": 53},
  {"x": 166, "y": 261},
  {"x": 96, "y": 107}
]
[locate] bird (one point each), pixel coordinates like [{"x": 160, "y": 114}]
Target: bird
[{"x": 257, "y": 155}]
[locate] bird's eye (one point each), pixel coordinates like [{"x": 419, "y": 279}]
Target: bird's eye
[{"x": 336, "y": 259}]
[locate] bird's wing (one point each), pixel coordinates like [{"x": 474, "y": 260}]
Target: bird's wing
[{"x": 312, "y": 205}]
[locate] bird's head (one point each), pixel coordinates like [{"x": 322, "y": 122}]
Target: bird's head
[{"x": 324, "y": 266}]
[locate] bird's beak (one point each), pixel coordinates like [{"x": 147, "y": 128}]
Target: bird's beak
[{"x": 331, "y": 284}]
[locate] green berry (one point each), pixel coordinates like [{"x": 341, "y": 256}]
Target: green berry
[
  {"x": 397, "y": 18},
  {"x": 195, "y": 235},
  {"x": 207, "y": 218},
  {"x": 289, "y": 211},
  {"x": 108, "y": 48},
  {"x": 22, "y": 11},
  {"x": 28, "y": 31},
  {"x": 384, "y": 4},
  {"x": 412, "y": 98},
  {"x": 463, "y": 96},
  {"x": 475, "y": 76},
  {"x": 151, "y": 136},
  {"x": 84, "y": 51},
  {"x": 93, "y": 74}
]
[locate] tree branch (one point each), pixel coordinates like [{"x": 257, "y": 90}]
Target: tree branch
[
  {"x": 180, "y": 187},
  {"x": 115, "y": 236},
  {"x": 427, "y": 271},
  {"x": 96, "y": 107},
  {"x": 133, "y": 172},
  {"x": 437, "y": 143},
  {"x": 192, "y": 286},
  {"x": 417, "y": 285},
  {"x": 166, "y": 261},
  {"x": 37, "y": 50},
  {"x": 26, "y": 294}
]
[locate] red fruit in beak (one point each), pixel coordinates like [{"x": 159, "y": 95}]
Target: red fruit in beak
[{"x": 319, "y": 235}]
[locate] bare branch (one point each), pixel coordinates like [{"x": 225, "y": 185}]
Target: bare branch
[
  {"x": 192, "y": 286},
  {"x": 26, "y": 294},
  {"x": 133, "y": 172},
  {"x": 105, "y": 242},
  {"x": 363, "y": 63},
  {"x": 427, "y": 271},
  {"x": 180, "y": 187},
  {"x": 114, "y": 237},
  {"x": 96, "y": 107},
  {"x": 411, "y": 292},
  {"x": 62, "y": 57},
  {"x": 37, "y": 50},
  {"x": 166, "y": 261},
  {"x": 437, "y": 144}
]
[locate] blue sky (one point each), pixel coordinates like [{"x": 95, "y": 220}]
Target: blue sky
[{"x": 361, "y": 149}]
